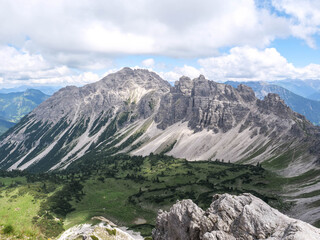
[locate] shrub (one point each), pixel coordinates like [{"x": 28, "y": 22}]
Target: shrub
[
  {"x": 94, "y": 237},
  {"x": 8, "y": 229},
  {"x": 111, "y": 232}
]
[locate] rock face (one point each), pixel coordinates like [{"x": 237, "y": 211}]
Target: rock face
[
  {"x": 204, "y": 104},
  {"x": 228, "y": 123},
  {"x": 230, "y": 217}
]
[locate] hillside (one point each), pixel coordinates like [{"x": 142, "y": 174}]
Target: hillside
[
  {"x": 137, "y": 113},
  {"x": 306, "y": 88},
  {"x": 309, "y": 108},
  {"x": 15, "y": 105},
  {"x": 129, "y": 191},
  {"x": 5, "y": 125},
  {"x": 48, "y": 90}
]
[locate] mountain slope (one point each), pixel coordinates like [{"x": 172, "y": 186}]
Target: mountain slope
[
  {"x": 207, "y": 120},
  {"x": 64, "y": 127},
  {"x": 306, "y": 88},
  {"x": 14, "y": 105},
  {"x": 137, "y": 112},
  {"x": 304, "y": 106}
]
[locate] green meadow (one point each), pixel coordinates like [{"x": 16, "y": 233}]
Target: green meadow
[{"x": 129, "y": 191}]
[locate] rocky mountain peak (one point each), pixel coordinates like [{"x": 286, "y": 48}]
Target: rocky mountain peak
[
  {"x": 246, "y": 93},
  {"x": 204, "y": 104},
  {"x": 184, "y": 86},
  {"x": 272, "y": 103},
  {"x": 273, "y": 99},
  {"x": 230, "y": 217},
  {"x": 127, "y": 85},
  {"x": 129, "y": 78},
  {"x": 201, "y": 78}
]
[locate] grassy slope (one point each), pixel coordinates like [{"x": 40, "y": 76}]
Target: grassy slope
[
  {"x": 21, "y": 201},
  {"x": 127, "y": 190},
  {"x": 13, "y": 106},
  {"x": 18, "y": 207}
]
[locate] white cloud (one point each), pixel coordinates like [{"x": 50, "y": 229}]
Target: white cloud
[
  {"x": 13, "y": 60},
  {"x": 172, "y": 28},
  {"x": 148, "y": 63},
  {"x": 75, "y": 79},
  {"x": 246, "y": 64},
  {"x": 304, "y": 17},
  {"x": 57, "y": 39},
  {"x": 177, "y": 72},
  {"x": 19, "y": 67}
]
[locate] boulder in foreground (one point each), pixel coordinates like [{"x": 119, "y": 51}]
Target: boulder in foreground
[{"x": 230, "y": 217}]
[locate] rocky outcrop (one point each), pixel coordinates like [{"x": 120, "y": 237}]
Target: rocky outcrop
[
  {"x": 100, "y": 231},
  {"x": 230, "y": 217},
  {"x": 219, "y": 107},
  {"x": 204, "y": 104}
]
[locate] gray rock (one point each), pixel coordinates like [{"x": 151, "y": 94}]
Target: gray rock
[
  {"x": 121, "y": 90},
  {"x": 244, "y": 217}
]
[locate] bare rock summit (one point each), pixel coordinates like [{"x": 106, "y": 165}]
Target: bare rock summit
[{"x": 229, "y": 217}]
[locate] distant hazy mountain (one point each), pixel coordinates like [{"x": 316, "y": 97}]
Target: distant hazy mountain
[
  {"x": 307, "y": 107},
  {"x": 5, "y": 125},
  {"x": 305, "y": 88},
  {"x": 49, "y": 90},
  {"x": 315, "y": 96},
  {"x": 15, "y": 105}
]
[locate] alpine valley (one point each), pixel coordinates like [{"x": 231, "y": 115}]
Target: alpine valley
[{"x": 133, "y": 119}]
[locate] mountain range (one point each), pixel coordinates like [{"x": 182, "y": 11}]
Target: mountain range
[
  {"x": 138, "y": 113},
  {"x": 306, "y": 88},
  {"x": 307, "y": 107},
  {"x": 5, "y": 125},
  {"x": 48, "y": 90}
]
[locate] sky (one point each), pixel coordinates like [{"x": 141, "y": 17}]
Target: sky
[{"x": 75, "y": 42}]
